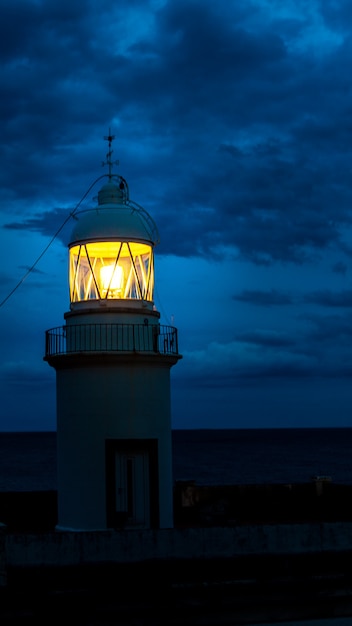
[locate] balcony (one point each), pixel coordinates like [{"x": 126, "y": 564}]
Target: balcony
[{"x": 151, "y": 338}]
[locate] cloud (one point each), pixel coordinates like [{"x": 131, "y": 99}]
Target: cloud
[
  {"x": 259, "y": 355},
  {"x": 48, "y": 223},
  {"x": 25, "y": 373},
  {"x": 340, "y": 267},
  {"x": 328, "y": 298},
  {"x": 333, "y": 331},
  {"x": 264, "y": 298},
  {"x": 229, "y": 365},
  {"x": 232, "y": 125},
  {"x": 264, "y": 337},
  {"x": 259, "y": 176}
]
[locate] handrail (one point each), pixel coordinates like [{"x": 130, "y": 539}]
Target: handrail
[{"x": 76, "y": 338}]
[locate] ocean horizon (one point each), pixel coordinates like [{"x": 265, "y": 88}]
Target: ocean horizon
[{"x": 205, "y": 456}]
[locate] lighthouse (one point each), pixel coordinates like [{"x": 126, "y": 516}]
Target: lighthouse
[{"x": 113, "y": 359}]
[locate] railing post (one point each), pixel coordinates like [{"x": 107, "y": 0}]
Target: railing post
[
  {"x": 176, "y": 341},
  {"x": 156, "y": 333}
]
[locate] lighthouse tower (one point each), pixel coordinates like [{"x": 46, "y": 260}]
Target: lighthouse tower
[{"x": 112, "y": 360}]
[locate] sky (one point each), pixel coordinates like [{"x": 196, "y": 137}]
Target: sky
[{"x": 233, "y": 128}]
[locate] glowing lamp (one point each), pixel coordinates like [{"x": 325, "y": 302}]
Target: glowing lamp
[{"x": 111, "y": 277}]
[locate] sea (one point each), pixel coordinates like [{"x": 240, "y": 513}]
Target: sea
[{"x": 207, "y": 457}]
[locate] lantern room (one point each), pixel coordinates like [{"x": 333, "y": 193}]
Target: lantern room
[
  {"x": 111, "y": 250},
  {"x": 111, "y": 270}
]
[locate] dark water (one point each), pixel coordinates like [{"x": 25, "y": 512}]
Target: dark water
[
  {"x": 28, "y": 460},
  {"x": 263, "y": 456}
]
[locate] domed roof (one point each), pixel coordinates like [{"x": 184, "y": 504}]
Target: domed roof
[{"x": 115, "y": 218}]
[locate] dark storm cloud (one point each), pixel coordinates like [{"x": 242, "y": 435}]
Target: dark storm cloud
[
  {"x": 257, "y": 357},
  {"x": 283, "y": 196},
  {"x": 240, "y": 141},
  {"x": 330, "y": 329},
  {"x": 337, "y": 14},
  {"x": 325, "y": 298},
  {"x": 264, "y": 298},
  {"x": 340, "y": 267},
  {"x": 317, "y": 348},
  {"x": 328, "y": 298},
  {"x": 266, "y": 338},
  {"x": 47, "y": 223},
  {"x": 320, "y": 349},
  {"x": 34, "y": 269},
  {"x": 233, "y": 129}
]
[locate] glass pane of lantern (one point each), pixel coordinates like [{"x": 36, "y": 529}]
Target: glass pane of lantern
[{"x": 113, "y": 270}]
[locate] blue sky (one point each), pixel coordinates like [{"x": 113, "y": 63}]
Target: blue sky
[{"x": 233, "y": 129}]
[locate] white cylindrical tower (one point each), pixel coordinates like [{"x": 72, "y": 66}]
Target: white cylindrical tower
[{"x": 112, "y": 360}]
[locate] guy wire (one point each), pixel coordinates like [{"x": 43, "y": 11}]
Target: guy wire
[{"x": 51, "y": 241}]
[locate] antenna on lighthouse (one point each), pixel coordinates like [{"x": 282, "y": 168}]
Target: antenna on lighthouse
[{"x": 109, "y": 161}]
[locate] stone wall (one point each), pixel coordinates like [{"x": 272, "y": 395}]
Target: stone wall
[{"x": 64, "y": 549}]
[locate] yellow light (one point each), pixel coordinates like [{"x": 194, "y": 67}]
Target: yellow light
[
  {"x": 112, "y": 270},
  {"x": 111, "y": 277}
]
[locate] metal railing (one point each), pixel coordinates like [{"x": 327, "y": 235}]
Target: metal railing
[{"x": 111, "y": 338}]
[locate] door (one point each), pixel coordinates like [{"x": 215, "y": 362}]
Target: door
[
  {"x": 132, "y": 483},
  {"x": 132, "y": 497}
]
